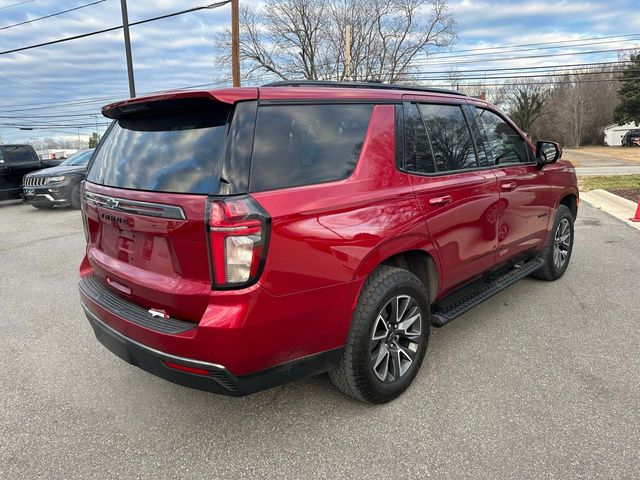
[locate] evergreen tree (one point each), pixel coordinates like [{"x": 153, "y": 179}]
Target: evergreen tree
[{"x": 628, "y": 109}]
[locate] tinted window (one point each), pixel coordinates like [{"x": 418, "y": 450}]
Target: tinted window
[
  {"x": 173, "y": 152},
  {"x": 78, "y": 159},
  {"x": 18, "y": 154},
  {"x": 505, "y": 144},
  {"x": 306, "y": 144},
  {"x": 450, "y": 137},
  {"x": 418, "y": 153},
  {"x": 479, "y": 135}
]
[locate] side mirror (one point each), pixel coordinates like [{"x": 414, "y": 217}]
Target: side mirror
[{"x": 547, "y": 152}]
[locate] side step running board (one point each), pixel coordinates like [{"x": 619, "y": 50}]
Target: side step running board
[{"x": 487, "y": 290}]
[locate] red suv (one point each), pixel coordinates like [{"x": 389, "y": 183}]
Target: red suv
[{"x": 241, "y": 238}]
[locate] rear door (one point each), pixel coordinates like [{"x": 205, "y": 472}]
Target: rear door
[
  {"x": 524, "y": 188},
  {"x": 146, "y": 204},
  {"x": 457, "y": 195}
]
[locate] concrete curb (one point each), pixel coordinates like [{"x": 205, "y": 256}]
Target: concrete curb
[
  {"x": 619, "y": 207},
  {"x": 606, "y": 171}
]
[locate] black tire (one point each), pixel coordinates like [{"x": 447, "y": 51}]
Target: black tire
[
  {"x": 551, "y": 270},
  {"x": 44, "y": 206},
  {"x": 74, "y": 200},
  {"x": 356, "y": 375}
]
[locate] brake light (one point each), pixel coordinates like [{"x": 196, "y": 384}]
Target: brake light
[
  {"x": 85, "y": 223},
  {"x": 238, "y": 234}
]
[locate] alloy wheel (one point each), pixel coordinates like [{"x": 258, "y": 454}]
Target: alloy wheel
[
  {"x": 396, "y": 338},
  {"x": 562, "y": 243}
]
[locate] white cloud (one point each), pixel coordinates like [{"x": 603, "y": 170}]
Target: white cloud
[{"x": 179, "y": 51}]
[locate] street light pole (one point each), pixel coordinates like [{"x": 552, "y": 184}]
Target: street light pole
[
  {"x": 127, "y": 47},
  {"x": 235, "y": 43}
]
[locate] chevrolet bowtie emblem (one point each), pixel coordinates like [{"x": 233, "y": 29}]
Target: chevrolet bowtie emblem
[{"x": 112, "y": 203}]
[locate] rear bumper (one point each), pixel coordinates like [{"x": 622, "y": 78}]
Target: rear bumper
[
  {"x": 218, "y": 379},
  {"x": 151, "y": 360},
  {"x": 111, "y": 319}
]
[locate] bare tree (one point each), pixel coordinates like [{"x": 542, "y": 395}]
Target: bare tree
[
  {"x": 497, "y": 95},
  {"x": 579, "y": 105},
  {"x": 527, "y": 105},
  {"x": 287, "y": 39}
]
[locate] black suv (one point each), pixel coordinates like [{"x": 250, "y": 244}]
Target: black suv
[
  {"x": 15, "y": 162},
  {"x": 631, "y": 138},
  {"x": 57, "y": 185}
]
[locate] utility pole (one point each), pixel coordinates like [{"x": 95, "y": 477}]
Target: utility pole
[
  {"x": 127, "y": 47},
  {"x": 347, "y": 52},
  {"x": 235, "y": 43}
]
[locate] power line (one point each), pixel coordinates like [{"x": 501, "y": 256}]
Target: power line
[
  {"x": 556, "y": 82},
  {"x": 498, "y": 59},
  {"x": 111, "y": 29},
  {"x": 560, "y": 66},
  {"x": 507, "y": 77},
  {"x": 16, "y": 4},
  {"x": 436, "y": 56},
  {"x": 545, "y": 43},
  {"x": 52, "y": 15},
  {"x": 94, "y": 100},
  {"x": 51, "y": 116},
  {"x": 51, "y": 127}
]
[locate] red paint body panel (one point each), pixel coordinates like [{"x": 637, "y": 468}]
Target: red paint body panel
[
  {"x": 325, "y": 239},
  {"x": 464, "y": 232},
  {"x": 527, "y": 208}
]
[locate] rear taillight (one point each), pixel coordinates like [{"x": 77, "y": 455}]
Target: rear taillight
[
  {"x": 85, "y": 224},
  {"x": 238, "y": 235}
]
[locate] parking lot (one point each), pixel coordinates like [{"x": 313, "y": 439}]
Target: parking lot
[{"x": 541, "y": 381}]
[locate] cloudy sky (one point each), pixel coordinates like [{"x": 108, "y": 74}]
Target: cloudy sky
[{"x": 65, "y": 84}]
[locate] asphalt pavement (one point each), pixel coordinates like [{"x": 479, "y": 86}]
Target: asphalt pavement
[
  {"x": 541, "y": 381},
  {"x": 592, "y": 159}
]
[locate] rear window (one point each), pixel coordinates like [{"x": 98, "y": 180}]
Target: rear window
[
  {"x": 175, "y": 152},
  {"x": 17, "y": 155},
  {"x": 306, "y": 144}
]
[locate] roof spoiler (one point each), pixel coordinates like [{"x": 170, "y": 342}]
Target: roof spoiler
[{"x": 173, "y": 100}]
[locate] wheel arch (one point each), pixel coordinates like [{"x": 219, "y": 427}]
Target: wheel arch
[
  {"x": 420, "y": 258},
  {"x": 570, "y": 200}
]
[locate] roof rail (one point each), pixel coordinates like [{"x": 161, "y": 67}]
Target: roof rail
[{"x": 369, "y": 84}]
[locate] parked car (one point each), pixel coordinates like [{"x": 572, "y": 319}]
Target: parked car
[
  {"x": 15, "y": 162},
  {"x": 52, "y": 157},
  {"x": 631, "y": 138},
  {"x": 241, "y": 238},
  {"x": 59, "y": 185}
]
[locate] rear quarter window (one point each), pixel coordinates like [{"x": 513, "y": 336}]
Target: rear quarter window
[{"x": 306, "y": 144}]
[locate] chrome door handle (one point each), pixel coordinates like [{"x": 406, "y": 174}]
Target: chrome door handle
[
  {"x": 441, "y": 201},
  {"x": 508, "y": 186}
]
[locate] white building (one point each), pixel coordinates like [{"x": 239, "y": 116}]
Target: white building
[{"x": 613, "y": 133}]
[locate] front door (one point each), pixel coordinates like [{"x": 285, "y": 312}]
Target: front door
[
  {"x": 524, "y": 188},
  {"x": 458, "y": 197}
]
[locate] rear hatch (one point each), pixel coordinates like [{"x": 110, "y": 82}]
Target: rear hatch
[{"x": 146, "y": 198}]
